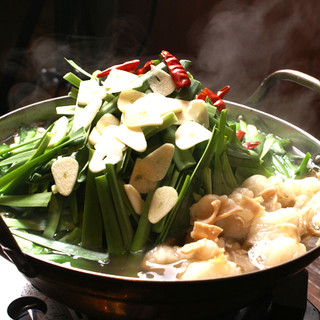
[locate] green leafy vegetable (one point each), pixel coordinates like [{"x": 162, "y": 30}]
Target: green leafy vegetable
[{"x": 98, "y": 216}]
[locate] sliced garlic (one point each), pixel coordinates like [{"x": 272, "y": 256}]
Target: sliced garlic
[
  {"x": 156, "y": 164},
  {"x": 133, "y": 138},
  {"x": 138, "y": 180},
  {"x": 119, "y": 80},
  {"x": 59, "y": 130},
  {"x": 103, "y": 156},
  {"x": 198, "y": 112},
  {"x": 65, "y": 172},
  {"x": 161, "y": 82},
  {"x": 190, "y": 133},
  {"x": 106, "y": 120},
  {"x": 134, "y": 197},
  {"x": 162, "y": 202},
  {"x": 128, "y": 97},
  {"x": 94, "y": 136},
  {"x": 142, "y": 114},
  {"x": 90, "y": 90},
  {"x": 84, "y": 116}
]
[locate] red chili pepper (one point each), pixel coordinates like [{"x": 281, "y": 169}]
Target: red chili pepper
[
  {"x": 208, "y": 93},
  {"x": 214, "y": 98},
  {"x": 219, "y": 104},
  {"x": 222, "y": 92},
  {"x": 240, "y": 134},
  {"x": 177, "y": 71},
  {"x": 129, "y": 66},
  {"x": 251, "y": 145},
  {"x": 145, "y": 68}
]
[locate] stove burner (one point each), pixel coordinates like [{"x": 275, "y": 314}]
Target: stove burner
[
  {"x": 25, "y": 308},
  {"x": 20, "y": 300}
]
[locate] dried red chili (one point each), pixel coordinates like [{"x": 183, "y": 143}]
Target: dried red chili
[
  {"x": 214, "y": 98},
  {"x": 145, "y": 68},
  {"x": 177, "y": 71},
  {"x": 240, "y": 134},
  {"x": 222, "y": 92},
  {"x": 220, "y": 105},
  {"x": 208, "y": 93},
  {"x": 129, "y": 66},
  {"x": 251, "y": 145}
]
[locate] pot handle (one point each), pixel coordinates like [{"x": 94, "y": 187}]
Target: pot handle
[
  {"x": 10, "y": 250},
  {"x": 282, "y": 75}
]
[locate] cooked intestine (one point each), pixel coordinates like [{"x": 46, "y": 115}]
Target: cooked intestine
[{"x": 261, "y": 224}]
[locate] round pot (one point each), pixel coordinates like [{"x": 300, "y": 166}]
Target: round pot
[{"x": 108, "y": 296}]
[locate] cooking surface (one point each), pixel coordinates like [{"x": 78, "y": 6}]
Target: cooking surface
[
  {"x": 314, "y": 283},
  {"x": 14, "y": 288}
]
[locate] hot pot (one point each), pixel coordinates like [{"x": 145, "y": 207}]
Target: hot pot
[{"x": 109, "y": 296}]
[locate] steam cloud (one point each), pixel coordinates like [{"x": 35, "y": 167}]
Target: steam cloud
[
  {"x": 237, "y": 43},
  {"x": 246, "y": 41}
]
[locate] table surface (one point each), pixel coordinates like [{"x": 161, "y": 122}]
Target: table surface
[{"x": 314, "y": 283}]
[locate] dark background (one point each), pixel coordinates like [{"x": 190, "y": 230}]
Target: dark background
[
  {"x": 230, "y": 42},
  {"x": 236, "y": 43}
]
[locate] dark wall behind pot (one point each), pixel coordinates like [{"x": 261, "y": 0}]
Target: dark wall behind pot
[{"x": 230, "y": 42}]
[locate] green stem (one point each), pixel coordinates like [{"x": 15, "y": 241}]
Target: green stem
[
  {"x": 62, "y": 247},
  {"x": 303, "y": 168},
  {"x": 109, "y": 216},
  {"x": 92, "y": 221},
  {"x": 73, "y": 79},
  {"x": 144, "y": 227},
  {"x": 183, "y": 159},
  {"x": 123, "y": 217},
  {"x": 55, "y": 209},
  {"x": 168, "y": 120}
]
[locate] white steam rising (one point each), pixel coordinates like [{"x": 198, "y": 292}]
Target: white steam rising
[
  {"x": 236, "y": 43},
  {"x": 245, "y": 41}
]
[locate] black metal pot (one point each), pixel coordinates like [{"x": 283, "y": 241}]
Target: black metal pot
[{"x": 108, "y": 296}]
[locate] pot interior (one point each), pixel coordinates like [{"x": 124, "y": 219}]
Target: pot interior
[{"x": 91, "y": 292}]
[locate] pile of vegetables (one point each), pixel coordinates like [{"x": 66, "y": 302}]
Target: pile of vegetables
[{"x": 118, "y": 170}]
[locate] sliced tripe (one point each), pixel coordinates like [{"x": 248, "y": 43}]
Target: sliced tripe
[
  {"x": 59, "y": 130},
  {"x": 134, "y": 197},
  {"x": 161, "y": 82},
  {"x": 162, "y": 202},
  {"x": 138, "y": 180},
  {"x": 128, "y": 97},
  {"x": 85, "y": 116},
  {"x": 65, "y": 172},
  {"x": 190, "y": 133},
  {"x": 198, "y": 112},
  {"x": 90, "y": 90},
  {"x": 119, "y": 80},
  {"x": 106, "y": 120},
  {"x": 132, "y": 137},
  {"x": 156, "y": 164}
]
